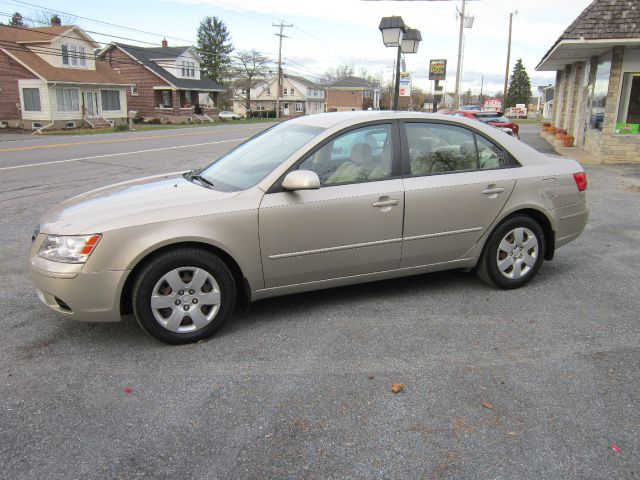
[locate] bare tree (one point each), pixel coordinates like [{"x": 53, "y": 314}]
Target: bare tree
[
  {"x": 44, "y": 18},
  {"x": 249, "y": 66},
  {"x": 334, "y": 74}
]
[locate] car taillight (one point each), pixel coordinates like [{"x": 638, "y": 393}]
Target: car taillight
[{"x": 581, "y": 181}]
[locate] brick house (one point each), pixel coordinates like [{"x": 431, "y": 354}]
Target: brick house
[
  {"x": 353, "y": 93},
  {"x": 597, "y": 88},
  {"x": 299, "y": 96},
  {"x": 49, "y": 78},
  {"x": 166, "y": 81}
]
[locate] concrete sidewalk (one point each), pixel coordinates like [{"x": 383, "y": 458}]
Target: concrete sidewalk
[{"x": 531, "y": 134}]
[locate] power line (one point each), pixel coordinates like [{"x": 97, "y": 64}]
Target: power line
[
  {"x": 20, "y": 2},
  {"x": 282, "y": 27}
]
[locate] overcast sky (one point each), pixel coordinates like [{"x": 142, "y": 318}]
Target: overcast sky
[{"x": 331, "y": 32}]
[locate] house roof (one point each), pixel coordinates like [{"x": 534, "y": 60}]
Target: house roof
[
  {"x": 353, "y": 83},
  {"x": 304, "y": 81},
  {"x": 148, "y": 55},
  {"x": 600, "y": 26},
  {"x": 103, "y": 74}
]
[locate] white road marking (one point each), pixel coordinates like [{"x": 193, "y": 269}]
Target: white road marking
[{"x": 119, "y": 154}]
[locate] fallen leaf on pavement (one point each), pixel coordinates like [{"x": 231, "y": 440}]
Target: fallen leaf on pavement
[
  {"x": 615, "y": 448},
  {"x": 370, "y": 377},
  {"x": 397, "y": 387},
  {"x": 128, "y": 390},
  {"x": 268, "y": 435},
  {"x": 488, "y": 405}
]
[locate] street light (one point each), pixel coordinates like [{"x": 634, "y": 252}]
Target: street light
[{"x": 396, "y": 34}]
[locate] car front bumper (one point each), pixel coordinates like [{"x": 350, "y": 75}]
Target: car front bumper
[{"x": 91, "y": 297}]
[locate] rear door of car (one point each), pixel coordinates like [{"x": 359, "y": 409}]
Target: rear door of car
[
  {"x": 352, "y": 225},
  {"x": 456, "y": 183}
]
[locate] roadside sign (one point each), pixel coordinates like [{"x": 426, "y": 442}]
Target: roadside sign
[
  {"x": 405, "y": 84},
  {"x": 493, "y": 105},
  {"x": 438, "y": 69}
]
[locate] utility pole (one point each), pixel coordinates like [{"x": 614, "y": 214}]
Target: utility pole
[
  {"x": 279, "y": 92},
  {"x": 506, "y": 73},
  {"x": 481, "y": 86},
  {"x": 459, "y": 69}
]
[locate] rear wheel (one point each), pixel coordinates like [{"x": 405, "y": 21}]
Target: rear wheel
[
  {"x": 183, "y": 295},
  {"x": 513, "y": 254}
]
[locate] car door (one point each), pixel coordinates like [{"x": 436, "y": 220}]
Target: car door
[
  {"x": 351, "y": 225},
  {"x": 456, "y": 183}
]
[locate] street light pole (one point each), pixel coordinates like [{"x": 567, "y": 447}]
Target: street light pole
[
  {"x": 459, "y": 69},
  {"x": 396, "y": 92}
]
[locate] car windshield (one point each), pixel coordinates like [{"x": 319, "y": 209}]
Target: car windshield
[
  {"x": 493, "y": 118},
  {"x": 250, "y": 162}
]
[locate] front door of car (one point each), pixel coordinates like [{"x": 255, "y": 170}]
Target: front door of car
[
  {"x": 457, "y": 184},
  {"x": 351, "y": 225}
]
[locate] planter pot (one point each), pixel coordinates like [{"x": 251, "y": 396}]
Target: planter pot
[
  {"x": 545, "y": 129},
  {"x": 567, "y": 141},
  {"x": 559, "y": 136},
  {"x": 552, "y": 130}
]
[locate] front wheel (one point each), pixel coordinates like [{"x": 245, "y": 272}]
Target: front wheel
[
  {"x": 183, "y": 295},
  {"x": 513, "y": 254}
]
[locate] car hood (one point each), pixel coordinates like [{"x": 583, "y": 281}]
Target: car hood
[{"x": 143, "y": 201}]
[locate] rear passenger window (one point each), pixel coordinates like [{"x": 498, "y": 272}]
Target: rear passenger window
[
  {"x": 490, "y": 156},
  {"x": 437, "y": 148}
]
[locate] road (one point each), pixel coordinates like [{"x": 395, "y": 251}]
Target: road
[{"x": 300, "y": 386}]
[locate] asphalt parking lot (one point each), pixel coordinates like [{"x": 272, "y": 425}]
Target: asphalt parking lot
[{"x": 533, "y": 383}]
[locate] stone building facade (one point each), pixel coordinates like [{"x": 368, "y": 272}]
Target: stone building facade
[{"x": 597, "y": 64}]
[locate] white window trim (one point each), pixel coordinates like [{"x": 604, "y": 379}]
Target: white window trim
[{"x": 24, "y": 103}]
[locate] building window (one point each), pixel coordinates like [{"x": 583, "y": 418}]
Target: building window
[
  {"x": 166, "y": 99},
  {"x": 188, "y": 69},
  {"x": 298, "y": 106},
  {"x": 74, "y": 55},
  {"x": 269, "y": 91},
  {"x": 134, "y": 90},
  {"x": 628, "y": 121},
  {"x": 284, "y": 91},
  {"x": 599, "y": 91},
  {"x": 110, "y": 100},
  {"x": 31, "y": 98},
  {"x": 291, "y": 93},
  {"x": 67, "y": 100}
]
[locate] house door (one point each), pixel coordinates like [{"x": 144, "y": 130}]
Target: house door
[
  {"x": 90, "y": 100},
  {"x": 285, "y": 109}
]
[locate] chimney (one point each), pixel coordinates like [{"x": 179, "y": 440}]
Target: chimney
[
  {"x": 165, "y": 44},
  {"x": 55, "y": 21}
]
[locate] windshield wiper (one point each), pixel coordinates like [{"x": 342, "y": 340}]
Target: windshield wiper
[{"x": 195, "y": 175}]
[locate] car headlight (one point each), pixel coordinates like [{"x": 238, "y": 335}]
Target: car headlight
[{"x": 68, "y": 249}]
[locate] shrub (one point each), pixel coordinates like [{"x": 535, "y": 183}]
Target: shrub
[{"x": 120, "y": 127}]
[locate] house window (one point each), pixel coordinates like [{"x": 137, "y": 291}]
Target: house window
[
  {"x": 268, "y": 91},
  {"x": 628, "y": 122},
  {"x": 31, "y": 98},
  {"x": 134, "y": 90},
  {"x": 67, "y": 100},
  {"x": 298, "y": 106},
  {"x": 284, "y": 92},
  {"x": 74, "y": 55},
  {"x": 599, "y": 91},
  {"x": 292, "y": 91},
  {"x": 110, "y": 100},
  {"x": 188, "y": 69},
  {"x": 166, "y": 98}
]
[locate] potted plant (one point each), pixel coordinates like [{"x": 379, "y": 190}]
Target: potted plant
[
  {"x": 552, "y": 130},
  {"x": 545, "y": 126},
  {"x": 560, "y": 133},
  {"x": 568, "y": 141}
]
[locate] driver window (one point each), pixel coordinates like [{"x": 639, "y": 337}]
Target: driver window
[{"x": 360, "y": 155}]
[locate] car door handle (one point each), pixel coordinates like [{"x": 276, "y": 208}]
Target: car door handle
[
  {"x": 386, "y": 203},
  {"x": 493, "y": 191}
]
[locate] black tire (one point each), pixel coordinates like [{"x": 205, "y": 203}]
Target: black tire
[
  {"x": 488, "y": 269},
  {"x": 183, "y": 261}
]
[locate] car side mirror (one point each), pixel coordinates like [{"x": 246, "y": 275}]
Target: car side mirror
[{"x": 301, "y": 180}]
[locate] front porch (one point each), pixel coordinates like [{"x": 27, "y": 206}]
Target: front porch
[{"x": 177, "y": 106}]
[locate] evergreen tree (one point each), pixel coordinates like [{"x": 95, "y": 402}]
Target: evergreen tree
[
  {"x": 519, "y": 90},
  {"x": 16, "y": 20},
  {"x": 215, "y": 47}
]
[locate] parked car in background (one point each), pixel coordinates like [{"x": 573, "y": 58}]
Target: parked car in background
[
  {"x": 226, "y": 115},
  {"x": 495, "y": 119},
  {"x": 471, "y": 108},
  {"x": 315, "y": 202}
]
